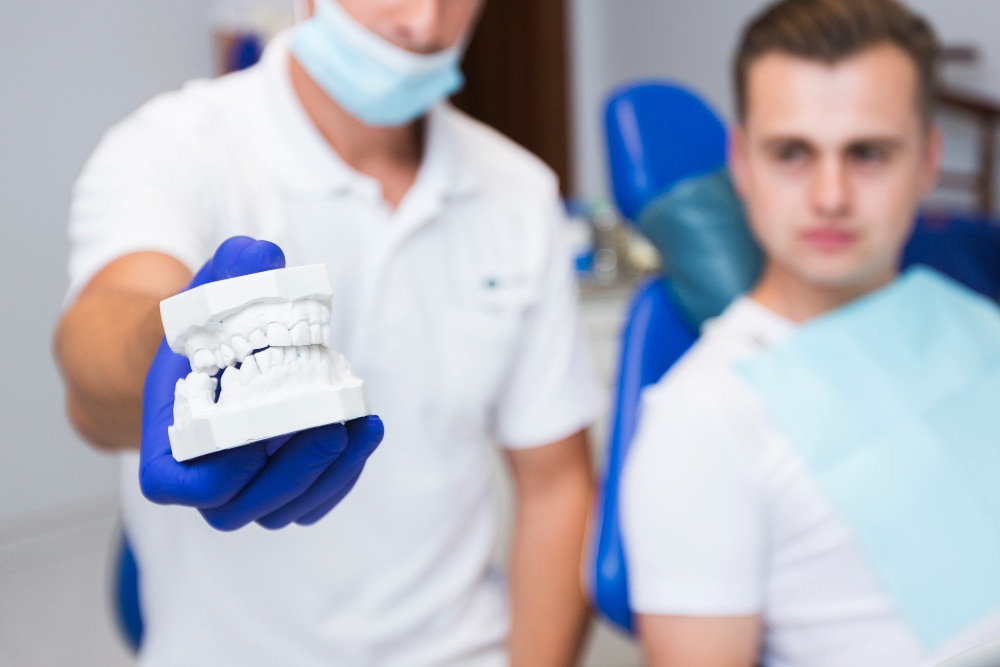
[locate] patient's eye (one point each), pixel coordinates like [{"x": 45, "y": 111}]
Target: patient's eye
[
  {"x": 870, "y": 153},
  {"x": 790, "y": 152}
]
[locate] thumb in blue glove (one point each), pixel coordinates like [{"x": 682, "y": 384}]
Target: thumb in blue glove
[{"x": 309, "y": 472}]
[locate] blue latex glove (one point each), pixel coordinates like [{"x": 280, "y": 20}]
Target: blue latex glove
[{"x": 292, "y": 478}]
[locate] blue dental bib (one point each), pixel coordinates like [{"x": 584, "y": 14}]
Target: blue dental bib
[{"x": 894, "y": 403}]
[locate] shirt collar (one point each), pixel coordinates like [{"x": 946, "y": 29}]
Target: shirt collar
[
  {"x": 306, "y": 164},
  {"x": 759, "y": 323}
]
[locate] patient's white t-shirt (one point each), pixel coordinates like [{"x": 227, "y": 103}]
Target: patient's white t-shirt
[{"x": 721, "y": 517}]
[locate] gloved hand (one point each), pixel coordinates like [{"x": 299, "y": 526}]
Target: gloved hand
[{"x": 292, "y": 478}]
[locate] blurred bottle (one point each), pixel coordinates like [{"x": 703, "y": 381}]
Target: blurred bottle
[
  {"x": 607, "y": 241},
  {"x": 580, "y": 236}
]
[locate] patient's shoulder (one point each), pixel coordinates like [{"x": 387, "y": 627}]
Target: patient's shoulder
[
  {"x": 700, "y": 385},
  {"x": 703, "y": 391},
  {"x": 741, "y": 331}
]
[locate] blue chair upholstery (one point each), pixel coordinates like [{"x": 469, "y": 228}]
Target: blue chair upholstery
[
  {"x": 659, "y": 133},
  {"x": 965, "y": 246},
  {"x": 126, "y": 595},
  {"x": 244, "y": 52},
  {"x": 655, "y": 336}
]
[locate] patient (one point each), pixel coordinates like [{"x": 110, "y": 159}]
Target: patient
[{"x": 783, "y": 503}]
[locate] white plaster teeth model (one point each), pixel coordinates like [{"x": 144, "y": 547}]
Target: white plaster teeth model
[{"x": 270, "y": 332}]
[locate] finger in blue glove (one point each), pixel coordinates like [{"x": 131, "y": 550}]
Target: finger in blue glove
[
  {"x": 363, "y": 436},
  {"x": 239, "y": 256},
  {"x": 217, "y": 479},
  {"x": 292, "y": 469}
]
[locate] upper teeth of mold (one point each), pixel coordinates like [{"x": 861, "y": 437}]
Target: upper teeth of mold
[{"x": 294, "y": 381}]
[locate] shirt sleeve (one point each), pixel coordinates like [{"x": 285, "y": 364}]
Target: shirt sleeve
[
  {"x": 691, "y": 511},
  {"x": 143, "y": 189},
  {"x": 551, "y": 392}
]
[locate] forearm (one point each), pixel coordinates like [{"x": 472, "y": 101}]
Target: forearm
[
  {"x": 550, "y": 611},
  {"x": 104, "y": 345},
  {"x": 106, "y": 340},
  {"x": 710, "y": 641}
]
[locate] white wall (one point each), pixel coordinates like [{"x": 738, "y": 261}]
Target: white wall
[
  {"x": 68, "y": 70},
  {"x": 615, "y": 41},
  {"x": 971, "y": 22}
]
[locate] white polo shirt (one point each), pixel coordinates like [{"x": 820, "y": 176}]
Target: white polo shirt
[
  {"x": 721, "y": 517},
  {"x": 459, "y": 310}
]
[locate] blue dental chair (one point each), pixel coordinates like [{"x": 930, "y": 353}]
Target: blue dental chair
[
  {"x": 659, "y": 133},
  {"x": 698, "y": 227},
  {"x": 125, "y": 596}
]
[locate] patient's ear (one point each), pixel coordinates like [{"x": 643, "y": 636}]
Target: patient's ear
[{"x": 736, "y": 158}]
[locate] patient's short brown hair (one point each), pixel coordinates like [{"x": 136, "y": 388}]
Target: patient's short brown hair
[{"x": 832, "y": 30}]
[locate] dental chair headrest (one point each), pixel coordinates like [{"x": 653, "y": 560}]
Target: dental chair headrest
[{"x": 709, "y": 257}]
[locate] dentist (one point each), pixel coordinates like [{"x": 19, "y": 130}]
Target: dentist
[{"x": 454, "y": 300}]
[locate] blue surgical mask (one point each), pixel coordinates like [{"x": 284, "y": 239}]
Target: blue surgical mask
[{"x": 376, "y": 81}]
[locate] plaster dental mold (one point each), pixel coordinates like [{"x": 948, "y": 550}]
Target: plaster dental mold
[{"x": 269, "y": 333}]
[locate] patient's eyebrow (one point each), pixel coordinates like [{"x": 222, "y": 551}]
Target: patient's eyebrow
[
  {"x": 884, "y": 144},
  {"x": 794, "y": 145},
  {"x": 788, "y": 145}
]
